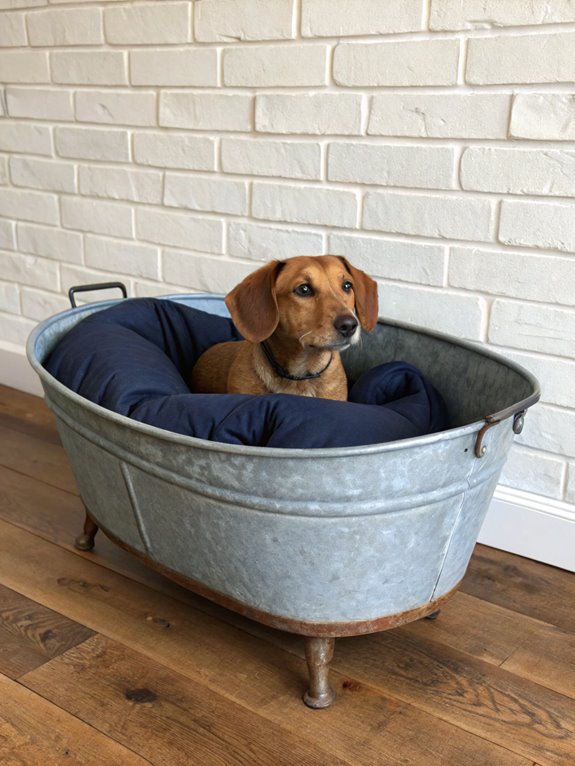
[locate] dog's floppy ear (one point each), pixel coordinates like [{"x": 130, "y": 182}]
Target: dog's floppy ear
[
  {"x": 366, "y": 301},
  {"x": 253, "y": 303}
]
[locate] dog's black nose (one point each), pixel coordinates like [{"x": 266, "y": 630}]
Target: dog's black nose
[{"x": 346, "y": 325}]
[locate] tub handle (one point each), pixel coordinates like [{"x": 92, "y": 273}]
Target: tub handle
[
  {"x": 98, "y": 286},
  {"x": 518, "y": 413}
]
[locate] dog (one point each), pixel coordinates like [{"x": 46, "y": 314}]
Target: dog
[{"x": 296, "y": 317}]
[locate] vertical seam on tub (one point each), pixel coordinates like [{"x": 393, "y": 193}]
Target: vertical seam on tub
[
  {"x": 453, "y": 528},
  {"x": 135, "y": 507}
]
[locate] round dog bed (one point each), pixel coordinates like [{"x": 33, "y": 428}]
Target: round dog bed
[{"x": 135, "y": 358}]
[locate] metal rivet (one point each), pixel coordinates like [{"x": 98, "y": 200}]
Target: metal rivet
[{"x": 483, "y": 450}]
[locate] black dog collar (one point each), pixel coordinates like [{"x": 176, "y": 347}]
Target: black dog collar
[{"x": 283, "y": 373}]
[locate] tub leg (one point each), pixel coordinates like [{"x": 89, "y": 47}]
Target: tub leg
[
  {"x": 318, "y": 654},
  {"x": 433, "y": 615},
  {"x": 85, "y": 541}
]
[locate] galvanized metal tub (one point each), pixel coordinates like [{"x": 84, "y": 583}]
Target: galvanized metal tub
[{"x": 322, "y": 542}]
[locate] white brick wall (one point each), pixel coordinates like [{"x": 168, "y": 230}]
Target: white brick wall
[{"x": 177, "y": 144}]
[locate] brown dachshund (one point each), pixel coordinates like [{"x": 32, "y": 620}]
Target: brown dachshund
[{"x": 296, "y": 316}]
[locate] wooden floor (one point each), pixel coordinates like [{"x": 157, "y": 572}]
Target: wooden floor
[{"x": 104, "y": 662}]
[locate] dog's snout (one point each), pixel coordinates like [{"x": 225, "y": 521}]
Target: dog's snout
[{"x": 346, "y": 325}]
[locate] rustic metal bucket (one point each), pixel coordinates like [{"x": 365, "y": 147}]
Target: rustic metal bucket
[{"x": 322, "y": 542}]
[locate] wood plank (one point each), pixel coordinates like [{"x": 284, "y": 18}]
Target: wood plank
[
  {"x": 366, "y": 725},
  {"x": 36, "y": 458},
  {"x": 547, "y": 657},
  {"x": 541, "y": 591},
  {"x": 34, "y": 731},
  {"x": 494, "y": 703},
  {"x": 30, "y": 634},
  {"x": 530, "y": 648},
  {"x": 28, "y": 414},
  {"x": 163, "y": 716}
]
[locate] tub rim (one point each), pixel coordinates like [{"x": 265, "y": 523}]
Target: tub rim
[{"x": 280, "y": 452}]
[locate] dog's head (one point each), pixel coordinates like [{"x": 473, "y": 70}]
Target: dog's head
[{"x": 321, "y": 301}]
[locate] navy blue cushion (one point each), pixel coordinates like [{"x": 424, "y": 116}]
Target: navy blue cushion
[{"x": 135, "y": 357}]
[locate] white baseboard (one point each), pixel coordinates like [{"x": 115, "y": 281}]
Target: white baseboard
[
  {"x": 519, "y": 522},
  {"x": 531, "y": 525},
  {"x": 15, "y": 370}
]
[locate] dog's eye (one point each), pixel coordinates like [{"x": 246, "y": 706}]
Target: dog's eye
[
  {"x": 347, "y": 287},
  {"x": 304, "y": 290}
]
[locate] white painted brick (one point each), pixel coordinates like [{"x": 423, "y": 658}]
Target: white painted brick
[
  {"x": 545, "y": 116},
  {"x": 460, "y": 315},
  {"x": 521, "y": 59},
  {"x": 4, "y": 171},
  {"x": 122, "y": 257},
  {"x": 116, "y": 107},
  {"x": 276, "y": 66},
  {"x": 39, "y": 305},
  {"x": 313, "y": 113},
  {"x": 22, "y": 66},
  {"x": 57, "y": 244},
  {"x": 97, "y": 216},
  {"x": 533, "y": 472},
  {"x": 550, "y": 429},
  {"x": 533, "y": 327},
  {"x": 205, "y": 111},
  {"x": 451, "y": 217},
  {"x": 16, "y": 329},
  {"x": 152, "y": 23},
  {"x": 264, "y": 243},
  {"x": 43, "y": 174},
  {"x": 545, "y": 172},
  {"x": 233, "y": 20},
  {"x": 73, "y": 26},
  {"x": 7, "y": 238},
  {"x": 89, "y": 67},
  {"x": 488, "y": 14},
  {"x": 9, "y": 298},
  {"x": 25, "y": 138},
  {"x": 283, "y": 159},
  {"x": 440, "y": 115},
  {"x": 121, "y": 183},
  {"x": 22, "y": 3},
  {"x": 24, "y": 205},
  {"x": 304, "y": 204},
  {"x": 338, "y": 18},
  {"x": 188, "y": 66},
  {"x": 530, "y": 277},
  {"x": 424, "y": 167},
  {"x": 424, "y": 62},
  {"x": 179, "y": 230},
  {"x": 29, "y": 270},
  {"x": 174, "y": 150},
  {"x": 217, "y": 195},
  {"x": 214, "y": 275},
  {"x": 146, "y": 289},
  {"x": 40, "y": 103},
  {"x": 12, "y": 30},
  {"x": 538, "y": 224},
  {"x": 390, "y": 259},
  {"x": 93, "y": 144}
]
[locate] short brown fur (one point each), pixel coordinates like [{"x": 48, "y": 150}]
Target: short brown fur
[{"x": 303, "y": 333}]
